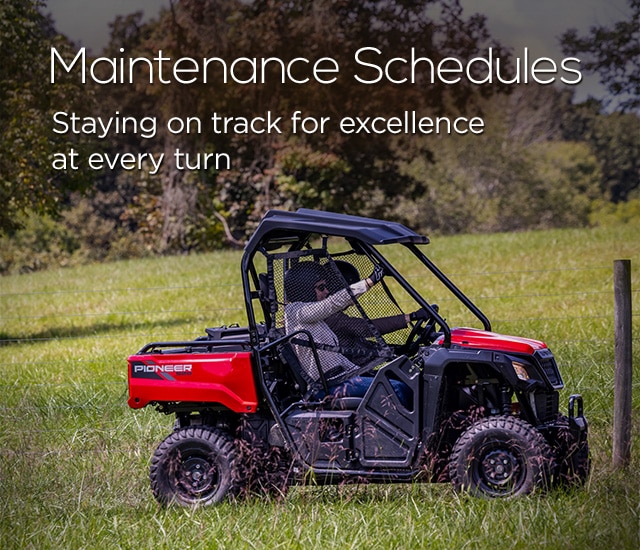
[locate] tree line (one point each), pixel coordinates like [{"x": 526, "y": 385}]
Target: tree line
[{"x": 542, "y": 161}]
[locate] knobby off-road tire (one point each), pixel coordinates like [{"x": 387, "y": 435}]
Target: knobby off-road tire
[
  {"x": 194, "y": 466},
  {"x": 501, "y": 456}
]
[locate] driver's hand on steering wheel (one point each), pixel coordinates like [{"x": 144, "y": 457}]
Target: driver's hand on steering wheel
[
  {"x": 422, "y": 314},
  {"x": 419, "y": 315}
]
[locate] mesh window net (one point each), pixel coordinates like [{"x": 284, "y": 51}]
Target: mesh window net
[{"x": 310, "y": 298}]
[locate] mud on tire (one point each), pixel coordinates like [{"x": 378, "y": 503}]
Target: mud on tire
[
  {"x": 501, "y": 456},
  {"x": 194, "y": 466}
]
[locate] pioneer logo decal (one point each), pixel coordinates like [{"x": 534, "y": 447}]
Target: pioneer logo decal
[{"x": 162, "y": 372}]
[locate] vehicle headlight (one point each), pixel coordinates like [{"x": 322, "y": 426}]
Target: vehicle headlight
[{"x": 520, "y": 369}]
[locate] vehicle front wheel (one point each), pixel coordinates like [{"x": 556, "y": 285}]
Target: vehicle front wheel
[
  {"x": 194, "y": 466},
  {"x": 501, "y": 456}
]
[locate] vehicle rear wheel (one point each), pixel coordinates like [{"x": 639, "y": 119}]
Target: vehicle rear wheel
[
  {"x": 501, "y": 456},
  {"x": 194, "y": 466}
]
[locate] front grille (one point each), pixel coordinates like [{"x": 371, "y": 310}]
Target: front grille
[
  {"x": 546, "y": 406},
  {"x": 549, "y": 366}
]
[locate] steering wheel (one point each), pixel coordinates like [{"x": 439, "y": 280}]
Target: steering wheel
[{"x": 420, "y": 334}]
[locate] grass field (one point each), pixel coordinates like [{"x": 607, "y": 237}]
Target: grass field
[{"x": 74, "y": 459}]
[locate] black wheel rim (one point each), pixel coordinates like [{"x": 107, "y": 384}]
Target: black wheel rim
[
  {"x": 498, "y": 470},
  {"x": 196, "y": 475}
]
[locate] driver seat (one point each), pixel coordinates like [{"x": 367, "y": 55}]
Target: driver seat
[{"x": 306, "y": 386}]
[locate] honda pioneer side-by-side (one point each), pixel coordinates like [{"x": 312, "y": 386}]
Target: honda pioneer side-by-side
[{"x": 346, "y": 371}]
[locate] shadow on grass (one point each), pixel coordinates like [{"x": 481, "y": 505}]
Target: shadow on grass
[{"x": 94, "y": 330}]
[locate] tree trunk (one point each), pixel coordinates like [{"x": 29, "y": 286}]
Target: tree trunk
[{"x": 179, "y": 195}]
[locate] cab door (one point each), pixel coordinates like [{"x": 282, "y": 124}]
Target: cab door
[{"x": 387, "y": 433}]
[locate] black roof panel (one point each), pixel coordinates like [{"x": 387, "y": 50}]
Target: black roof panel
[{"x": 280, "y": 224}]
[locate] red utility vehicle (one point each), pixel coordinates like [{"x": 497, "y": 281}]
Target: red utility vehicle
[{"x": 482, "y": 410}]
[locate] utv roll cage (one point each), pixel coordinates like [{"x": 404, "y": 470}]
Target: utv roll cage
[{"x": 295, "y": 229}]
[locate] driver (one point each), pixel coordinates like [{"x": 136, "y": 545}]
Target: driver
[
  {"x": 354, "y": 333},
  {"x": 309, "y": 304}
]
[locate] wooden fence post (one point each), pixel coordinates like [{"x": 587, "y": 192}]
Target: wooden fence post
[{"x": 622, "y": 353}]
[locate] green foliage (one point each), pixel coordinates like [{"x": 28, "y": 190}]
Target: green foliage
[
  {"x": 613, "y": 53},
  {"x": 541, "y": 162},
  {"x": 41, "y": 243},
  {"x": 82, "y": 234},
  {"x": 284, "y": 30},
  {"x": 518, "y": 175},
  {"x": 606, "y": 214},
  {"x": 27, "y": 104},
  {"x": 306, "y": 178},
  {"x": 615, "y": 141},
  {"x": 569, "y": 181}
]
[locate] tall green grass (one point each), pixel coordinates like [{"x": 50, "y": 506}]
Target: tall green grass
[{"x": 74, "y": 459}]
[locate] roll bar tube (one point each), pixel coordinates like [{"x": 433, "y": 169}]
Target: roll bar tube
[{"x": 441, "y": 277}]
